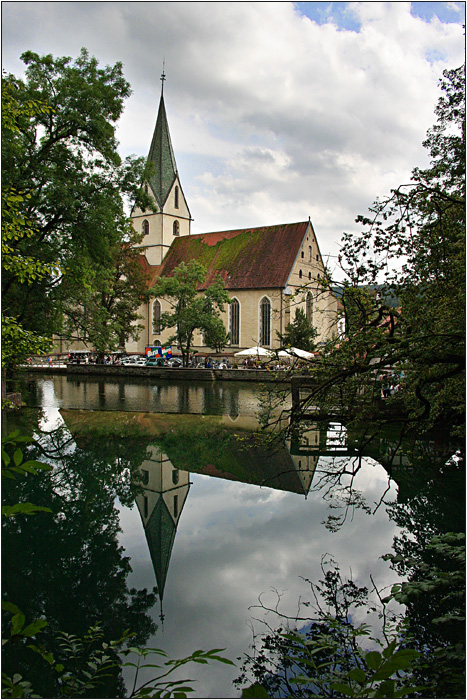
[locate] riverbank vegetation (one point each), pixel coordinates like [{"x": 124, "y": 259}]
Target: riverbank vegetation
[{"x": 403, "y": 298}]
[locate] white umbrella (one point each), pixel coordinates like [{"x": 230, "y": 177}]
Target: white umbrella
[
  {"x": 299, "y": 353},
  {"x": 256, "y": 351}
]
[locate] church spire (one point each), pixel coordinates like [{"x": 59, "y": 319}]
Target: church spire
[{"x": 161, "y": 155}]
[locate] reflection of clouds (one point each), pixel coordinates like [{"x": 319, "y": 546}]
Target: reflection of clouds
[{"x": 236, "y": 541}]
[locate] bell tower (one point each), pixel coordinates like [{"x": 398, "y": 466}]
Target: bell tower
[{"x": 172, "y": 218}]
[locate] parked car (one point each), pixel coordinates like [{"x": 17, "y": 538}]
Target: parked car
[
  {"x": 155, "y": 362},
  {"x": 78, "y": 357},
  {"x": 134, "y": 361},
  {"x": 175, "y": 362}
]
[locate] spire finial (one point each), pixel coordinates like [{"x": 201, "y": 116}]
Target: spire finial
[{"x": 163, "y": 75}]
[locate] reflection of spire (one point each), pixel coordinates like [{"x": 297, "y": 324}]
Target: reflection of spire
[{"x": 160, "y": 505}]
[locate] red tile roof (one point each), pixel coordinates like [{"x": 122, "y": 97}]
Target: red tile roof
[
  {"x": 251, "y": 258},
  {"x": 153, "y": 271}
]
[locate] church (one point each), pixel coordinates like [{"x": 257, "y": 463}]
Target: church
[{"x": 268, "y": 271}]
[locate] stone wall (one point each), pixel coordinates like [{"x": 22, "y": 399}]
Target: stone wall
[{"x": 191, "y": 374}]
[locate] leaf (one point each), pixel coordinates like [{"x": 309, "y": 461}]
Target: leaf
[
  {"x": 32, "y": 629},
  {"x": 390, "y": 649},
  {"x": 385, "y": 690},
  {"x": 23, "y": 509},
  {"x": 18, "y": 456},
  {"x": 344, "y": 689},
  {"x": 357, "y": 674},
  {"x": 255, "y": 691},
  {"x": 17, "y": 623},
  {"x": 373, "y": 660},
  {"x": 398, "y": 662},
  {"x": 47, "y": 656},
  {"x": 11, "y": 607}
]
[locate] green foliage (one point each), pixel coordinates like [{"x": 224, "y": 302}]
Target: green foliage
[
  {"x": 18, "y": 342},
  {"x": 420, "y": 652},
  {"x": 327, "y": 650},
  {"x": 412, "y": 249},
  {"x": 299, "y": 333},
  {"x": 81, "y": 664},
  {"x": 13, "y": 463},
  {"x": 159, "y": 688},
  {"x": 68, "y": 266},
  {"x": 192, "y": 309}
]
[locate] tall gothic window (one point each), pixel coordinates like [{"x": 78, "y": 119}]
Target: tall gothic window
[
  {"x": 176, "y": 228},
  {"x": 145, "y": 227},
  {"x": 234, "y": 322},
  {"x": 176, "y": 197},
  {"x": 265, "y": 321},
  {"x": 156, "y": 317},
  {"x": 309, "y": 308}
]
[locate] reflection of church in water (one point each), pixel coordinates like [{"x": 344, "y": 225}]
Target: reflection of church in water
[
  {"x": 165, "y": 489},
  {"x": 160, "y": 504}
]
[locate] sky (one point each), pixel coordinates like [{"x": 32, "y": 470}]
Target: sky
[{"x": 278, "y": 111}]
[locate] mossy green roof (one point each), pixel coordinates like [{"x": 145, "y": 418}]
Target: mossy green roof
[{"x": 253, "y": 258}]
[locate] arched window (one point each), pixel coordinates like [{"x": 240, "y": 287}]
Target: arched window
[
  {"x": 309, "y": 275},
  {"x": 265, "y": 322},
  {"x": 156, "y": 342},
  {"x": 175, "y": 476},
  {"x": 234, "y": 322},
  {"x": 156, "y": 317},
  {"x": 309, "y": 308},
  {"x": 309, "y": 253},
  {"x": 176, "y": 197},
  {"x": 300, "y": 274},
  {"x": 176, "y": 228},
  {"x": 145, "y": 227},
  {"x": 302, "y": 254}
]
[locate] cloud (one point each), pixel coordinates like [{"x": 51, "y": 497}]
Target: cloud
[{"x": 274, "y": 116}]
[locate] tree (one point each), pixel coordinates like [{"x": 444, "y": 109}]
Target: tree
[
  {"x": 328, "y": 655},
  {"x": 192, "y": 309},
  {"x": 412, "y": 249},
  {"x": 107, "y": 315},
  {"x": 63, "y": 157},
  {"x": 18, "y": 342},
  {"x": 299, "y": 333}
]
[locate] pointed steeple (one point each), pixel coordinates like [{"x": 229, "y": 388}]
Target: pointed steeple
[
  {"x": 161, "y": 155},
  {"x": 160, "y": 535}
]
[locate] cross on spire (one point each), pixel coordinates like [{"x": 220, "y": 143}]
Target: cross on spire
[{"x": 163, "y": 75}]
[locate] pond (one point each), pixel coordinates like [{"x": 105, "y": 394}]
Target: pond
[{"x": 164, "y": 485}]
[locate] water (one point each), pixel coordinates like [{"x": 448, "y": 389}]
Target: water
[{"x": 216, "y": 524}]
